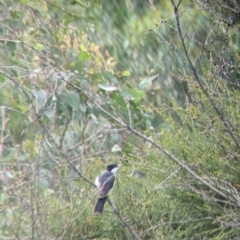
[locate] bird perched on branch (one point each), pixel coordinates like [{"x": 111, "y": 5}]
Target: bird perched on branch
[{"x": 105, "y": 183}]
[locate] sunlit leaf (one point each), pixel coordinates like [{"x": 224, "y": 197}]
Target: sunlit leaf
[
  {"x": 107, "y": 88},
  {"x": 9, "y": 175},
  {"x": 116, "y": 148},
  {"x": 146, "y": 83},
  {"x": 84, "y": 56},
  {"x": 94, "y": 118},
  {"x": 126, "y": 73}
]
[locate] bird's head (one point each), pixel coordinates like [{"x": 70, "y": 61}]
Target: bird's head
[{"x": 113, "y": 168}]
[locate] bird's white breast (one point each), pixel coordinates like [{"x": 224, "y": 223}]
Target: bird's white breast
[{"x": 97, "y": 182}]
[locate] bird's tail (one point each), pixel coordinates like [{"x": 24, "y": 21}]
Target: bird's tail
[{"x": 100, "y": 205}]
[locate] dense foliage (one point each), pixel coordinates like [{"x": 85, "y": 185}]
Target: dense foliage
[{"x": 151, "y": 85}]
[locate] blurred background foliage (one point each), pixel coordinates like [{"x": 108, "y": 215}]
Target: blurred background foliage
[{"x": 74, "y": 73}]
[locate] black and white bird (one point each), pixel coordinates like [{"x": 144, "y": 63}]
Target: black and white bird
[{"x": 105, "y": 183}]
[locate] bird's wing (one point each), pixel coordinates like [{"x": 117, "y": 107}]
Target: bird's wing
[{"x": 106, "y": 181}]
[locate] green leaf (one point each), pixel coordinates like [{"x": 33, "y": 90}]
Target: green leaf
[
  {"x": 94, "y": 118},
  {"x": 71, "y": 98},
  {"x": 126, "y": 73},
  {"x": 12, "y": 46},
  {"x": 48, "y": 192},
  {"x": 133, "y": 94},
  {"x": 9, "y": 175},
  {"x": 107, "y": 88},
  {"x": 146, "y": 83},
  {"x": 79, "y": 66},
  {"x": 84, "y": 56},
  {"x": 39, "y": 46},
  {"x": 109, "y": 77},
  {"x": 22, "y": 108},
  {"x": 2, "y": 78},
  {"x": 118, "y": 101},
  {"x": 78, "y": 2},
  {"x": 43, "y": 184},
  {"x": 83, "y": 106},
  {"x": 41, "y": 96}
]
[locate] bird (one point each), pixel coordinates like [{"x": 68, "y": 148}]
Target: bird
[{"x": 105, "y": 183}]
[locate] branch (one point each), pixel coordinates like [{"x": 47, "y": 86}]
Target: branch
[
  {"x": 49, "y": 137},
  {"x": 193, "y": 69},
  {"x": 125, "y": 223},
  {"x": 162, "y": 149},
  {"x": 178, "y": 161},
  {"x": 52, "y": 141}
]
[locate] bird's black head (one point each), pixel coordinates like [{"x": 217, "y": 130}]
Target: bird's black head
[{"x": 111, "y": 167}]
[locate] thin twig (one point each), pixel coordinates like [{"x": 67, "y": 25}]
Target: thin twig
[
  {"x": 52, "y": 141},
  {"x": 162, "y": 149},
  {"x": 126, "y": 224},
  {"x": 49, "y": 137},
  {"x": 193, "y": 69}
]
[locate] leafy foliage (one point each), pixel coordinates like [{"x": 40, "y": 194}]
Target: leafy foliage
[{"x": 154, "y": 86}]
